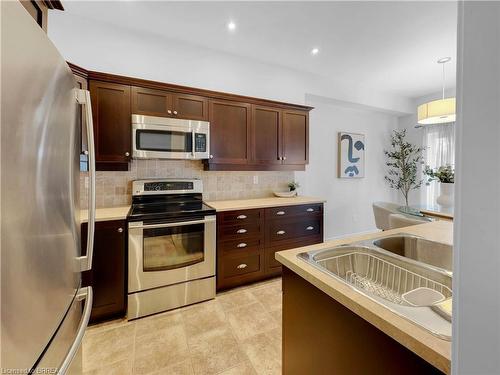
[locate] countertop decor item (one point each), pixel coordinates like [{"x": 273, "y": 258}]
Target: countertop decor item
[
  {"x": 293, "y": 185},
  {"x": 438, "y": 111},
  {"x": 446, "y": 176},
  {"x": 402, "y": 161},
  {"x": 351, "y": 161},
  {"x": 286, "y": 194}
]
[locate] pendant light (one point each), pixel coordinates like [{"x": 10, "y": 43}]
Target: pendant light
[{"x": 437, "y": 111}]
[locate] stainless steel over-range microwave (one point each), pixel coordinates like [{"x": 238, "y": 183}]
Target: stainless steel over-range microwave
[{"x": 169, "y": 138}]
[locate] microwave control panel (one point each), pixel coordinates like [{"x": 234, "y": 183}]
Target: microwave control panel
[{"x": 200, "y": 144}]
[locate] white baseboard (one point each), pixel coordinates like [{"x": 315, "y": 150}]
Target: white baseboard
[{"x": 353, "y": 234}]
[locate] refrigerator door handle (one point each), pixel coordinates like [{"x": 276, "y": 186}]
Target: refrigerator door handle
[
  {"x": 83, "y": 293},
  {"x": 83, "y": 98}
]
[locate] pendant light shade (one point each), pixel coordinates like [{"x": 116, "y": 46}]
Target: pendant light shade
[{"x": 437, "y": 111}]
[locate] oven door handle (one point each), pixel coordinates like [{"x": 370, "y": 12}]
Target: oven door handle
[{"x": 139, "y": 225}]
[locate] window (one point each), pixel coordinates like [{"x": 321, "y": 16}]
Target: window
[{"x": 439, "y": 141}]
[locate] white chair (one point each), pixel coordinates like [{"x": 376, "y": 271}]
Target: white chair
[
  {"x": 401, "y": 221},
  {"x": 381, "y": 211}
]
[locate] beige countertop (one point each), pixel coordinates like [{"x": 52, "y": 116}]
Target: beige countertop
[
  {"x": 431, "y": 348},
  {"x": 243, "y": 204},
  {"x": 106, "y": 214}
]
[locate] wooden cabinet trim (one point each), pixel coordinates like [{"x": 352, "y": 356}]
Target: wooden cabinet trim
[{"x": 107, "y": 77}]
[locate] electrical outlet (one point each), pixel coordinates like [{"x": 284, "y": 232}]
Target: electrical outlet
[{"x": 255, "y": 180}]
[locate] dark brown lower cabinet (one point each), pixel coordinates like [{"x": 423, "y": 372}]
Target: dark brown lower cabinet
[
  {"x": 248, "y": 239},
  {"x": 322, "y": 336},
  {"x": 107, "y": 276}
]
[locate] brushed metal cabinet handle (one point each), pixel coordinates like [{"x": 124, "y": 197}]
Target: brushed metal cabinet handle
[
  {"x": 169, "y": 112},
  {"x": 241, "y": 266},
  {"x": 309, "y": 228},
  {"x": 240, "y": 231},
  {"x": 310, "y": 210},
  {"x": 280, "y": 213},
  {"x": 211, "y": 157},
  {"x": 280, "y": 232},
  {"x": 241, "y": 217},
  {"x": 120, "y": 230},
  {"x": 175, "y": 112},
  {"x": 127, "y": 153},
  {"x": 240, "y": 245},
  {"x": 284, "y": 157}
]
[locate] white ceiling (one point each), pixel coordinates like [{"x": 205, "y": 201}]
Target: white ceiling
[{"x": 390, "y": 46}]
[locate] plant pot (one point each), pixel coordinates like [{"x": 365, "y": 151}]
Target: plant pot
[{"x": 446, "y": 194}]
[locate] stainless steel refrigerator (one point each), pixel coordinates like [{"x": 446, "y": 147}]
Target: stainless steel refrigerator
[{"x": 44, "y": 309}]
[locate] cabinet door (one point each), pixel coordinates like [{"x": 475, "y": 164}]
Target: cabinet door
[
  {"x": 107, "y": 276},
  {"x": 112, "y": 122},
  {"x": 229, "y": 132},
  {"x": 151, "y": 102},
  {"x": 266, "y": 135},
  {"x": 190, "y": 107},
  {"x": 295, "y": 137}
]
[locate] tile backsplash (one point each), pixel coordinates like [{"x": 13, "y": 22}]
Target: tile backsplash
[{"x": 115, "y": 188}]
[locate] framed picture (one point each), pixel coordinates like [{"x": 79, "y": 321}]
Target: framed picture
[{"x": 351, "y": 163}]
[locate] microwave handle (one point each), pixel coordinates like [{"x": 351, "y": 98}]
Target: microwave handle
[
  {"x": 192, "y": 143},
  {"x": 139, "y": 225}
]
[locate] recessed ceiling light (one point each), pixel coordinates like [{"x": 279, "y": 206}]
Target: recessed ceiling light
[
  {"x": 314, "y": 51},
  {"x": 231, "y": 26}
]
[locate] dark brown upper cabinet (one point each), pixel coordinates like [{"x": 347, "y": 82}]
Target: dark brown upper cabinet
[
  {"x": 246, "y": 134},
  {"x": 167, "y": 104},
  {"x": 266, "y": 135},
  {"x": 295, "y": 137},
  {"x": 191, "y": 107},
  {"x": 151, "y": 102},
  {"x": 112, "y": 124},
  {"x": 229, "y": 132}
]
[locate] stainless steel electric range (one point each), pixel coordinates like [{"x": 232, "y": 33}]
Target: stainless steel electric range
[{"x": 171, "y": 245}]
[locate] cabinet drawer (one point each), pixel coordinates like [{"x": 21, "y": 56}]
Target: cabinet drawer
[
  {"x": 240, "y": 265},
  {"x": 272, "y": 263},
  {"x": 239, "y": 216},
  {"x": 279, "y": 231},
  {"x": 240, "y": 245},
  {"x": 288, "y": 211},
  {"x": 231, "y": 232}
]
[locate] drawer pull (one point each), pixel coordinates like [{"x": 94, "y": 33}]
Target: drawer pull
[
  {"x": 280, "y": 213},
  {"x": 241, "y": 217},
  {"x": 241, "y": 231},
  {"x": 310, "y": 210},
  {"x": 280, "y": 232},
  {"x": 240, "y": 245},
  {"x": 309, "y": 228},
  {"x": 241, "y": 266}
]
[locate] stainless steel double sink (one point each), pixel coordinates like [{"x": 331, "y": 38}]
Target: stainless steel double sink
[{"x": 407, "y": 274}]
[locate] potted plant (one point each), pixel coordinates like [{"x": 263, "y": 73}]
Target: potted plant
[
  {"x": 445, "y": 174},
  {"x": 402, "y": 162},
  {"x": 293, "y": 186}
]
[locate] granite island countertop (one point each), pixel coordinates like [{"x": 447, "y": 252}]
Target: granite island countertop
[
  {"x": 434, "y": 350},
  {"x": 245, "y": 204}
]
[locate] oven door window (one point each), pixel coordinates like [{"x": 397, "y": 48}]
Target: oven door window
[
  {"x": 161, "y": 140},
  {"x": 173, "y": 247}
]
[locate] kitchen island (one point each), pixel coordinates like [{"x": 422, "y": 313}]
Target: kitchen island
[{"x": 329, "y": 327}]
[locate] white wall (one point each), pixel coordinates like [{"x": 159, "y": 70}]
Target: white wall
[
  {"x": 103, "y": 47},
  {"x": 476, "y": 262},
  {"x": 349, "y": 206}
]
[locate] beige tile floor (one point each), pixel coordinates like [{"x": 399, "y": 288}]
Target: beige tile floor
[{"x": 239, "y": 332}]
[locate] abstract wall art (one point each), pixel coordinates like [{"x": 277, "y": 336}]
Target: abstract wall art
[{"x": 351, "y": 161}]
